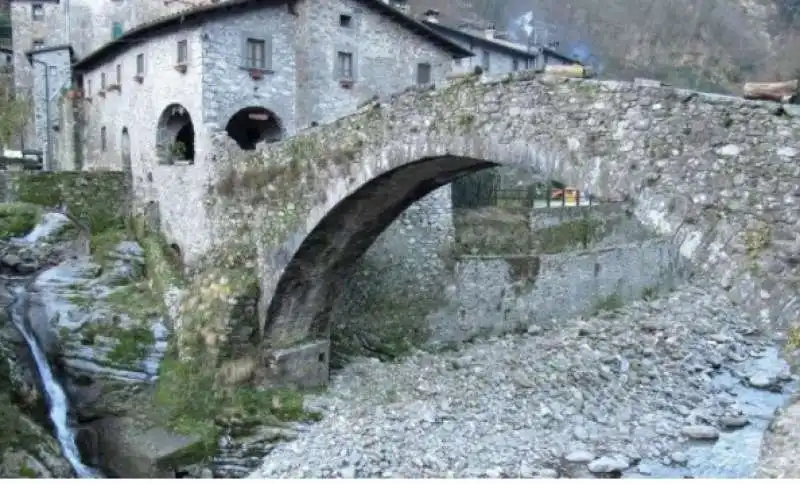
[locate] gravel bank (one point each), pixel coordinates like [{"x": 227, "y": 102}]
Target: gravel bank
[{"x": 629, "y": 393}]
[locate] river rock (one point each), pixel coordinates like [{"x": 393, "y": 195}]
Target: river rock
[
  {"x": 579, "y": 457},
  {"x": 98, "y": 319},
  {"x": 607, "y": 464},
  {"x": 700, "y": 432},
  {"x": 760, "y": 380}
]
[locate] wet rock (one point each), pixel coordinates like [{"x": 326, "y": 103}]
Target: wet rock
[
  {"x": 700, "y": 432},
  {"x": 679, "y": 458},
  {"x": 760, "y": 380},
  {"x": 579, "y": 457},
  {"x": 605, "y": 465},
  {"x": 732, "y": 422}
]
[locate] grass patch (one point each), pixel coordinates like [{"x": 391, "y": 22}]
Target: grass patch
[
  {"x": 610, "y": 303},
  {"x": 17, "y": 219},
  {"x": 103, "y": 243},
  {"x": 138, "y": 300},
  {"x": 192, "y": 404},
  {"x": 133, "y": 344},
  {"x": 571, "y": 234}
]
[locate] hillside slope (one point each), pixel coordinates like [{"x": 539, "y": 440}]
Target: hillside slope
[{"x": 709, "y": 45}]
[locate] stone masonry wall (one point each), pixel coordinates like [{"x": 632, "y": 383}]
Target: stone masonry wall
[
  {"x": 717, "y": 173},
  {"x": 499, "y": 295},
  {"x": 98, "y": 198}
]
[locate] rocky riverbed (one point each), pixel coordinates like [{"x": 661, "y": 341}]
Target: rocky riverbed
[{"x": 679, "y": 386}]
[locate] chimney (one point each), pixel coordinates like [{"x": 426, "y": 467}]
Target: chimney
[
  {"x": 489, "y": 32},
  {"x": 432, "y": 16}
]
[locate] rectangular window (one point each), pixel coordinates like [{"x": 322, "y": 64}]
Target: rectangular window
[
  {"x": 345, "y": 65},
  {"x": 515, "y": 65},
  {"x": 345, "y": 21},
  {"x": 485, "y": 61},
  {"x": 140, "y": 65},
  {"x": 37, "y": 44},
  {"x": 37, "y": 11},
  {"x": 256, "y": 54},
  {"x": 116, "y": 30},
  {"x": 88, "y": 88},
  {"x": 183, "y": 52},
  {"x": 102, "y": 81},
  {"x": 119, "y": 74},
  {"x": 423, "y": 73},
  {"x": 103, "y": 140}
]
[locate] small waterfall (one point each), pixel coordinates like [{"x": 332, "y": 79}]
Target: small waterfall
[{"x": 57, "y": 399}]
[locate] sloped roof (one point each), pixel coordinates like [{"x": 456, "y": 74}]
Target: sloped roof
[
  {"x": 499, "y": 44},
  {"x": 197, "y": 15}
]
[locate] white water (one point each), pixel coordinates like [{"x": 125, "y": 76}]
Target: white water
[
  {"x": 59, "y": 405},
  {"x": 51, "y": 223}
]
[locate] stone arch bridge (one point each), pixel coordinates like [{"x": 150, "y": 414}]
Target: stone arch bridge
[{"x": 719, "y": 173}]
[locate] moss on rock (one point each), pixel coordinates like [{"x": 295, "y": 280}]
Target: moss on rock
[
  {"x": 17, "y": 219},
  {"x": 98, "y": 198}
]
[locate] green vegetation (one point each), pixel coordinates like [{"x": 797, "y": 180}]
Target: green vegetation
[
  {"x": 27, "y": 473},
  {"x": 95, "y": 198},
  {"x": 610, "y": 303},
  {"x": 16, "y": 109},
  {"x": 17, "y": 219},
  {"x": 193, "y": 403},
  {"x": 570, "y": 234}
]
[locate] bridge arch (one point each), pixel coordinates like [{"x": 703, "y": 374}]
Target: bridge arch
[
  {"x": 670, "y": 152},
  {"x": 299, "y": 287}
]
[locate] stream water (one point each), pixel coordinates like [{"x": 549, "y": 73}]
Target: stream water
[{"x": 55, "y": 395}]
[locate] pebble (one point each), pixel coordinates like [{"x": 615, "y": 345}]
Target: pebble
[{"x": 633, "y": 382}]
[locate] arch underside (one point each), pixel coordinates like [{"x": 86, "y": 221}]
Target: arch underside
[{"x": 311, "y": 282}]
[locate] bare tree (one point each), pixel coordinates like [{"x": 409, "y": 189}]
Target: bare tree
[{"x": 14, "y": 110}]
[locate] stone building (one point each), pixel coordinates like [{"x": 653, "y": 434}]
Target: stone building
[
  {"x": 81, "y": 25},
  {"x": 493, "y": 51},
  {"x": 258, "y": 70}
]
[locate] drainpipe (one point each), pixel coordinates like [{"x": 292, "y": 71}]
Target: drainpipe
[{"x": 48, "y": 121}]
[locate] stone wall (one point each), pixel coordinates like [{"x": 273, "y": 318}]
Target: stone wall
[
  {"x": 417, "y": 285},
  {"x": 98, "y": 198},
  {"x": 497, "y": 295},
  {"x": 717, "y": 173}
]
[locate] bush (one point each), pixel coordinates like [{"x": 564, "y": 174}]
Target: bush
[{"x": 17, "y": 219}]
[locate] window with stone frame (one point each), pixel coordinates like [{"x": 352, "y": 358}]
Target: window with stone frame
[
  {"x": 183, "y": 52},
  {"x": 119, "y": 74},
  {"x": 102, "y": 81},
  {"x": 256, "y": 53},
  {"x": 103, "y": 139},
  {"x": 140, "y": 65},
  {"x": 37, "y": 11},
  {"x": 88, "y": 88},
  {"x": 344, "y": 65},
  {"x": 423, "y": 73}
]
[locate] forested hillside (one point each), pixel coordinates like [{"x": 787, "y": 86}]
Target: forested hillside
[{"x": 708, "y": 44}]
